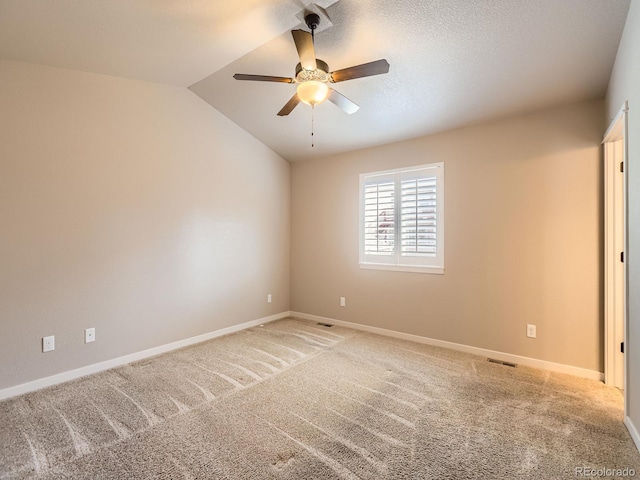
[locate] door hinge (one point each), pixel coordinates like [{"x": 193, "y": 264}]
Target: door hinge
[
  {"x": 621, "y": 347},
  {"x": 622, "y": 257},
  {"x": 621, "y": 167}
]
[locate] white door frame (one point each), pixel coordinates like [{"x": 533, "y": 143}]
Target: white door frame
[{"x": 616, "y": 240}]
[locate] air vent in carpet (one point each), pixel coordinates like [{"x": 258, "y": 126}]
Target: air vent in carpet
[
  {"x": 324, "y": 324},
  {"x": 500, "y": 362}
]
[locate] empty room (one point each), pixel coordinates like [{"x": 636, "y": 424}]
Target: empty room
[{"x": 294, "y": 239}]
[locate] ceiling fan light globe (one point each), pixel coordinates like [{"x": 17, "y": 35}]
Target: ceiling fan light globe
[{"x": 312, "y": 92}]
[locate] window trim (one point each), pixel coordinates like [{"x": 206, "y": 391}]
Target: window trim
[{"x": 438, "y": 268}]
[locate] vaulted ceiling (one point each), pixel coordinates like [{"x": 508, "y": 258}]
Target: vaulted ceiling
[{"x": 453, "y": 62}]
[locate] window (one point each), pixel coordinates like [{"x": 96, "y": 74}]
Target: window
[{"x": 401, "y": 219}]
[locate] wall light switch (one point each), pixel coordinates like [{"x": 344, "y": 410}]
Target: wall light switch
[
  {"x": 531, "y": 331},
  {"x": 343, "y": 301},
  {"x": 90, "y": 335},
  {"x": 48, "y": 343},
  {"x": 269, "y": 298}
]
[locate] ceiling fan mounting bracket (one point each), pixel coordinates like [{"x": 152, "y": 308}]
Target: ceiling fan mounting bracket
[{"x": 312, "y": 20}]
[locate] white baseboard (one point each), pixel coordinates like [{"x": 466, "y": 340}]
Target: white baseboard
[
  {"x": 633, "y": 431},
  {"x": 507, "y": 357},
  {"x": 133, "y": 357}
]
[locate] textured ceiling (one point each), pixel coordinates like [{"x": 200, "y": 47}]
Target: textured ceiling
[{"x": 453, "y": 62}]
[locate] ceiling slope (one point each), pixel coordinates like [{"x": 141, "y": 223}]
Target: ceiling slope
[{"x": 453, "y": 63}]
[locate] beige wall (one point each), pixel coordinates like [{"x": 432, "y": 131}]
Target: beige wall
[
  {"x": 625, "y": 85},
  {"x": 133, "y": 208},
  {"x": 523, "y": 238}
]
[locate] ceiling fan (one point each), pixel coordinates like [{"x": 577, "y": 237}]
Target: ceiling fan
[{"x": 313, "y": 75}]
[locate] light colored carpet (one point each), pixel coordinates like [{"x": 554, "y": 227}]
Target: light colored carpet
[{"x": 295, "y": 400}]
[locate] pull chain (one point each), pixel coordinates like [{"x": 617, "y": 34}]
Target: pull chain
[
  {"x": 313, "y": 41},
  {"x": 312, "y": 109}
]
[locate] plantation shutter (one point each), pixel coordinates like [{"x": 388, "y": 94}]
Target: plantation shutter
[
  {"x": 401, "y": 221},
  {"x": 418, "y": 213},
  {"x": 380, "y": 217}
]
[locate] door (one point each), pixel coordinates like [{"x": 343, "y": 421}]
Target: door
[{"x": 615, "y": 245}]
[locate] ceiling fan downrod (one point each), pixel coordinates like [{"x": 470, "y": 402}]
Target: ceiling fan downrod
[{"x": 312, "y": 20}]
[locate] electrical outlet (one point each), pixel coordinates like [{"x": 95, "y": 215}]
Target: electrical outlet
[
  {"x": 343, "y": 301},
  {"x": 531, "y": 331},
  {"x": 269, "y": 298},
  {"x": 90, "y": 335},
  {"x": 48, "y": 343}
]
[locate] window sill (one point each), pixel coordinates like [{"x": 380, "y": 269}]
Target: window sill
[{"x": 402, "y": 268}]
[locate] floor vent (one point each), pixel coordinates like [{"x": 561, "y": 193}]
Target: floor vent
[
  {"x": 324, "y": 324},
  {"x": 500, "y": 362}
]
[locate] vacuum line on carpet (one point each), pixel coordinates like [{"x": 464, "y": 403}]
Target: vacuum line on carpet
[
  {"x": 363, "y": 452},
  {"x": 80, "y": 443},
  {"x": 206, "y": 392},
  {"x": 282, "y": 362},
  {"x": 298, "y": 352},
  {"x": 336, "y": 466},
  {"x": 264, "y": 364},
  {"x": 400, "y": 387},
  {"x": 341, "y": 337},
  {"x": 391, "y": 397},
  {"x": 232, "y": 381},
  {"x": 387, "y": 413},
  {"x": 251, "y": 373},
  {"x": 383, "y": 436},
  {"x": 329, "y": 340},
  {"x": 151, "y": 417},
  {"x": 302, "y": 337}
]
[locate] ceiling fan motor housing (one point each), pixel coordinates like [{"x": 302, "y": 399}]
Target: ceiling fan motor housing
[{"x": 321, "y": 73}]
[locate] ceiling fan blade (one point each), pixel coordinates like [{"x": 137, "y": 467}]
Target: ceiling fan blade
[
  {"x": 365, "y": 70},
  {"x": 306, "y": 52},
  {"x": 291, "y": 104},
  {"x": 343, "y": 102},
  {"x": 262, "y": 78}
]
